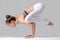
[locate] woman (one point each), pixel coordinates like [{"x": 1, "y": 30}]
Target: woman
[{"x": 12, "y": 21}]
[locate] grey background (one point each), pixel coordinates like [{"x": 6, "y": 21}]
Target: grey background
[{"x": 15, "y": 7}]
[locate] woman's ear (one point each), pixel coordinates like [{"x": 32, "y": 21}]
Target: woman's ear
[{"x": 8, "y": 24}]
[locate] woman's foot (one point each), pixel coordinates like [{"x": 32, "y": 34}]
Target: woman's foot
[
  {"x": 29, "y": 36},
  {"x": 50, "y": 23}
]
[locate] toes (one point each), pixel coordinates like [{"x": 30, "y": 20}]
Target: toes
[{"x": 50, "y": 23}]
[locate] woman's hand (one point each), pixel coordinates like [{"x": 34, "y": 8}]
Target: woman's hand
[{"x": 29, "y": 36}]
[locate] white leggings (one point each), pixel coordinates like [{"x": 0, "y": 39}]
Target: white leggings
[{"x": 32, "y": 17}]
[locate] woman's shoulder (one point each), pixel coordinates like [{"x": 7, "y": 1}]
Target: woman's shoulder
[{"x": 20, "y": 15}]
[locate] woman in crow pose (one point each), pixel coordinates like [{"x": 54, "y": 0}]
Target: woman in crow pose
[{"x": 13, "y": 21}]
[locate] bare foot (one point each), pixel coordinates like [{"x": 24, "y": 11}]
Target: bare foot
[
  {"x": 29, "y": 36},
  {"x": 50, "y": 23}
]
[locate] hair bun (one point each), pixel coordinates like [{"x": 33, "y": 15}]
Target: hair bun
[{"x": 8, "y": 16}]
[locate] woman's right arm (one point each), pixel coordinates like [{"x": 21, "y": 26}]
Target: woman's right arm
[
  {"x": 32, "y": 27},
  {"x": 28, "y": 10},
  {"x": 22, "y": 19}
]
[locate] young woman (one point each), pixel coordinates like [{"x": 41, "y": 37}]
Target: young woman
[{"x": 12, "y": 21}]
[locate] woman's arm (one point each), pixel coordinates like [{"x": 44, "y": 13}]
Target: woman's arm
[
  {"x": 28, "y": 10},
  {"x": 32, "y": 26},
  {"x": 21, "y": 18}
]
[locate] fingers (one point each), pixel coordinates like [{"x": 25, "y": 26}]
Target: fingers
[{"x": 29, "y": 36}]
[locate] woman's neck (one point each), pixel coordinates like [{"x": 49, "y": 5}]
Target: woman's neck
[{"x": 17, "y": 22}]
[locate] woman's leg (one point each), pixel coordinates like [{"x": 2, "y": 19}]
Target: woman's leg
[
  {"x": 35, "y": 13},
  {"x": 32, "y": 26}
]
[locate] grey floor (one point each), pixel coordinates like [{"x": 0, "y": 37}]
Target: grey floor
[{"x": 15, "y": 7}]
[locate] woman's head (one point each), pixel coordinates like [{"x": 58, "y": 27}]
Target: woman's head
[{"x": 10, "y": 20}]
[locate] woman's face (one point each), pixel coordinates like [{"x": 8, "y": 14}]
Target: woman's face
[{"x": 12, "y": 24}]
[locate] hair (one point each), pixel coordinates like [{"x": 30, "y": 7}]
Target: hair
[{"x": 10, "y": 18}]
